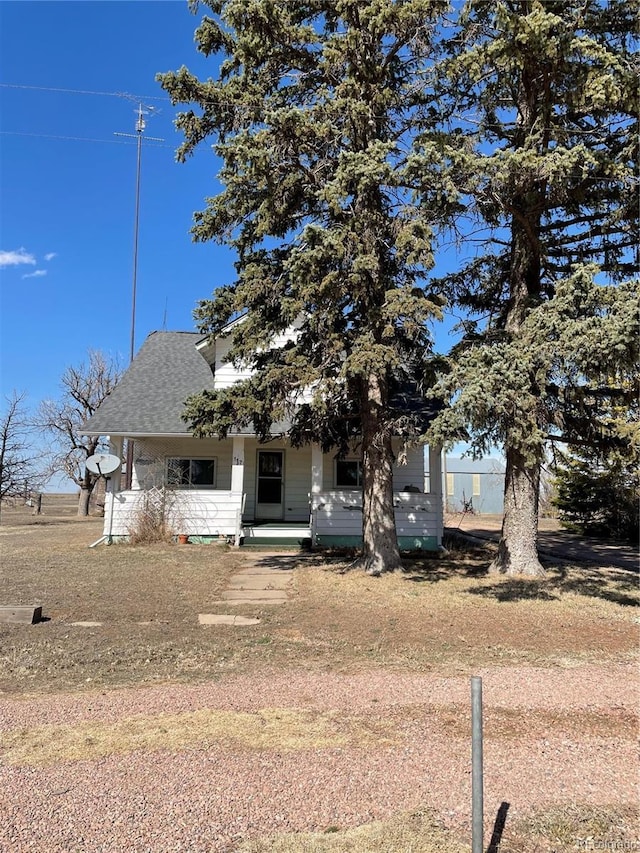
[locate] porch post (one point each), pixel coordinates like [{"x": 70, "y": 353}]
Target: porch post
[
  {"x": 115, "y": 447},
  {"x": 237, "y": 481},
  {"x": 316, "y": 487},
  {"x": 316, "y": 473},
  {"x": 435, "y": 486},
  {"x": 237, "y": 464},
  {"x": 112, "y": 487}
]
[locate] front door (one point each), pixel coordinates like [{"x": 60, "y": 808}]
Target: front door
[{"x": 270, "y": 499}]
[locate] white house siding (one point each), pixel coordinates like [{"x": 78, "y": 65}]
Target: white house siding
[
  {"x": 201, "y": 513},
  {"x": 297, "y": 484},
  {"x": 150, "y": 456},
  {"x": 337, "y": 515},
  {"x": 337, "y": 519},
  {"x": 149, "y": 468},
  {"x": 411, "y": 474},
  {"x": 225, "y": 374}
]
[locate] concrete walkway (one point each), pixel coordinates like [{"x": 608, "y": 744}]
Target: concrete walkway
[
  {"x": 267, "y": 579},
  {"x": 553, "y": 541}
]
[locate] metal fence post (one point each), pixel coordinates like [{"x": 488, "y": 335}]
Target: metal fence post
[{"x": 477, "y": 795}]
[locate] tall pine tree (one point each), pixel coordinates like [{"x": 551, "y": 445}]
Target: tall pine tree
[
  {"x": 313, "y": 113},
  {"x": 543, "y": 104}
]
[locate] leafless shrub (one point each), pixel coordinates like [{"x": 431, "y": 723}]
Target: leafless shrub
[{"x": 156, "y": 519}]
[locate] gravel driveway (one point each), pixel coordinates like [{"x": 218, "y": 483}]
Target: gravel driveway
[{"x": 551, "y": 736}]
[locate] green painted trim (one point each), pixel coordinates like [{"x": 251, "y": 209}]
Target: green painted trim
[
  {"x": 280, "y": 541},
  {"x": 339, "y": 541},
  {"x": 405, "y": 543},
  {"x": 210, "y": 540}
]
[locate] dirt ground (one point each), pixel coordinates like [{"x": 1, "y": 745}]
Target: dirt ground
[{"x": 442, "y": 617}]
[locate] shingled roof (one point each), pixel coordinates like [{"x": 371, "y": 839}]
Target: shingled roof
[{"x": 149, "y": 398}]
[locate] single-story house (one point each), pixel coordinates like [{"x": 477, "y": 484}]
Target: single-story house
[{"x": 240, "y": 489}]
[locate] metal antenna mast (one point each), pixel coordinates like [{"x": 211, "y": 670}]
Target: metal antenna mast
[{"x": 140, "y": 126}]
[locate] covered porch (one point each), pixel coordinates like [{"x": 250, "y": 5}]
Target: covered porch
[{"x": 268, "y": 494}]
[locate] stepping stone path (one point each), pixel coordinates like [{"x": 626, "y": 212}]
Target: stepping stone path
[
  {"x": 267, "y": 579},
  {"x": 226, "y": 619}
]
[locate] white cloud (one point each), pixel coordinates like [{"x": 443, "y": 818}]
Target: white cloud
[
  {"x": 50, "y": 256},
  {"x": 15, "y": 258},
  {"x": 35, "y": 274}
]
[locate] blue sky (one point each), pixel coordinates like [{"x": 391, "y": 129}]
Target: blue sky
[
  {"x": 67, "y": 204},
  {"x": 68, "y": 186}
]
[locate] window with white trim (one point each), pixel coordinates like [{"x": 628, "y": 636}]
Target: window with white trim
[
  {"x": 348, "y": 473},
  {"x": 186, "y": 473},
  {"x": 451, "y": 486}
]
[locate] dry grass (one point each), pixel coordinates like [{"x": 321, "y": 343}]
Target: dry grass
[
  {"x": 282, "y": 729},
  {"x": 572, "y": 828},
  {"x": 556, "y": 830},
  {"x": 440, "y": 615},
  {"x": 417, "y": 832}
]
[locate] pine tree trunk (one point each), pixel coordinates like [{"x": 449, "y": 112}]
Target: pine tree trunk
[
  {"x": 518, "y": 547},
  {"x": 380, "y": 541}
]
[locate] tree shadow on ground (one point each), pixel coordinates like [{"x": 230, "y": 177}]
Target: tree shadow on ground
[
  {"x": 467, "y": 561},
  {"x": 614, "y": 585},
  {"x": 562, "y": 578},
  {"x": 335, "y": 561}
]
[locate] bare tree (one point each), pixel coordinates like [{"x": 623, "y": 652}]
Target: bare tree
[
  {"x": 18, "y": 469},
  {"x": 84, "y": 388}
]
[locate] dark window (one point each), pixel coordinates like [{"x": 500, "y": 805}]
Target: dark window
[
  {"x": 270, "y": 464},
  {"x": 348, "y": 473},
  {"x": 191, "y": 473},
  {"x": 269, "y": 491}
]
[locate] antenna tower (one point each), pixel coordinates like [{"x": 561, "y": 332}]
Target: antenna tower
[
  {"x": 140, "y": 126},
  {"x": 143, "y": 110}
]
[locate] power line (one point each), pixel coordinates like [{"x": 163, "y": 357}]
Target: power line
[
  {"x": 233, "y": 105},
  {"x": 75, "y": 138},
  {"x": 84, "y": 92}
]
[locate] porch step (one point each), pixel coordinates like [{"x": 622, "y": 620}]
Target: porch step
[
  {"x": 276, "y": 534},
  {"x": 260, "y": 543},
  {"x": 276, "y": 531}
]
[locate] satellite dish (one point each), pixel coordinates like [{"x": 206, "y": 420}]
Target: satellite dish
[{"x": 103, "y": 463}]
